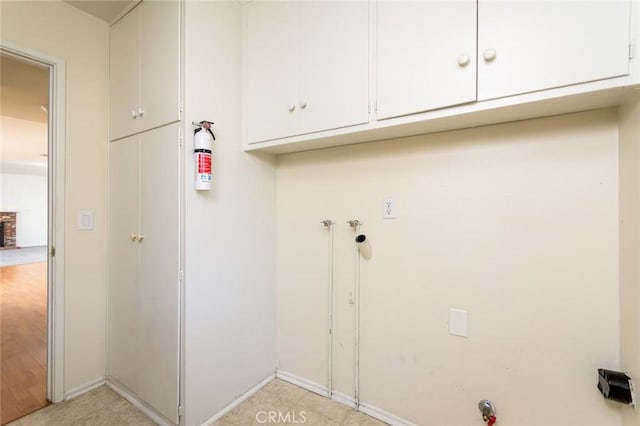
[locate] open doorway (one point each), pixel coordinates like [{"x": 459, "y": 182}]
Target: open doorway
[{"x": 24, "y": 236}]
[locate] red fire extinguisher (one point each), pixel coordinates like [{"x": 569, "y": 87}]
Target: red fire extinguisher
[{"x": 202, "y": 149}]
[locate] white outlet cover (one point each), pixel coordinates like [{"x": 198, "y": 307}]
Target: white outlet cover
[
  {"x": 85, "y": 220},
  {"x": 458, "y": 323},
  {"x": 388, "y": 208}
]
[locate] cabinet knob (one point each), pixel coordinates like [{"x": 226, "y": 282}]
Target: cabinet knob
[
  {"x": 489, "y": 54},
  {"x": 133, "y": 237},
  {"x": 463, "y": 60},
  {"x": 303, "y": 104},
  {"x": 134, "y": 114},
  {"x": 140, "y": 112},
  {"x": 291, "y": 107},
  {"x": 140, "y": 237}
]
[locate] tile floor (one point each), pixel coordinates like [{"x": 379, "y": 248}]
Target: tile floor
[
  {"x": 284, "y": 401},
  {"x": 100, "y": 407},
  {"x": 277, "y": 403}
]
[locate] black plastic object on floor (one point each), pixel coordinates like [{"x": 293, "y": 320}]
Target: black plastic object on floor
[{"x": 615, "y": 385}]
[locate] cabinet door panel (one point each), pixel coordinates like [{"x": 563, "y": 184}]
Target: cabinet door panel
[
  {"x": 158, "y": 292},
  {"x": 160, "y": 63},
  {"x": 544, "y": 44},
  {"x": 124, "y": 69},
  {"x": 123, "y": 320},
  {"x": 419, "y": 46},
  {"x": 334, "y": 64},
  {"x": 271, "y": 70}
]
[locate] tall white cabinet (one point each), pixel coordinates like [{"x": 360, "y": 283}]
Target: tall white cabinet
[{"x": 144, "y": 295}]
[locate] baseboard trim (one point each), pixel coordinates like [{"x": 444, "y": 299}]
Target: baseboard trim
[
  {"x": 239, "y": 400},
  {"x": 384, "y": 416},
  {"x": 303, "y": 383},
  {"x": 344, "y": 399},
  {"x": 138, "y": 403},
  {"x": 82, "y": 389}
]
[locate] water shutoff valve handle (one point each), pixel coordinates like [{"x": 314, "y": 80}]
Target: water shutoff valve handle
[{"x": 488, "y": 411}]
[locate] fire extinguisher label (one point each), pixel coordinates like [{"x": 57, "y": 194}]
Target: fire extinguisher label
[
  {"x": 203, "y": 170},
  {"x": 204, "y": 163}
]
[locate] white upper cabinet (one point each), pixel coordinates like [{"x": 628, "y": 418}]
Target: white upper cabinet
[
  {"x": 426, "y": 55},
  {"x": 334, "y": 64},
  {"x": 526, "y": 46},
  {"x": 124, "y": 76},
  {"x": 434, "y": 65},
  {"x": 306, "y": 67},
  {"x": 145, "y": 68},
  {"x": 271, "y": 69},
  {"x": 160, "y": 64}
]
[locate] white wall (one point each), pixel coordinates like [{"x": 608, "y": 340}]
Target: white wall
[
  {"x": 57, "y": 29},
  {"x": 630, "y": 246},
  {"x": 23, "y": 141},
  {"x": 26, "y": 194},
  {"x": 24, "y": 183},
  {"x": 230, "y": 231},
  {"x": 515, "y": 223}
]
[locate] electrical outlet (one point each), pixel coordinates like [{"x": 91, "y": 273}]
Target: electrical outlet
[{"x": 388, "y": 208}]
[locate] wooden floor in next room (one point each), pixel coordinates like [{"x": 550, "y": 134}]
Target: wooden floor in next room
[{"x": 23, "y": 339}]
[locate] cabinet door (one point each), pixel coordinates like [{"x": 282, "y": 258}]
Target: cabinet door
[
  {"x": 123, "y": 331},
  {"x": 334, "y": 64},
  {"x": 124, "y": 76},
  {"x": 426, "y": 55},
  {"x": 157, "y": 290},
  {"x": 271, "y": 63},
  {"x": 160, "y": 63},
  {"x": 544, "y": 44}
]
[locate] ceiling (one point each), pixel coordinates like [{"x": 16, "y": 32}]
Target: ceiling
[
  {"x": 107, "y": 10},
  {"x": 24, "y": 88}
]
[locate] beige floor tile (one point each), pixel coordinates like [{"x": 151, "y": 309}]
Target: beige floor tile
[
  {"x": 246, "y": 412},
  {"x": 134, "y": 417},
  {"x": 285, "y": 390},
  {"x": 98, "y": 418},
  {"x": 360, "y": 419},
  {"x": 100, "y": 407},
  {"x": 312, "y": 419},
  {"x": 105, "y": 395},
  {"x": 325, "y": 407},
  {"x": 223, "y": 422}
]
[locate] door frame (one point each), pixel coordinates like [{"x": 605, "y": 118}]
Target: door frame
[{"x": 55, "y": 207}]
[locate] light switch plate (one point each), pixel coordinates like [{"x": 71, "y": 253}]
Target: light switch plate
[
  {"x": 458, "y": 323},
  {"x": 85, "y": 220}
]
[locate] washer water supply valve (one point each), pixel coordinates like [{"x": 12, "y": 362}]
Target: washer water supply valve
[{"x": 488, "y": 411}]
